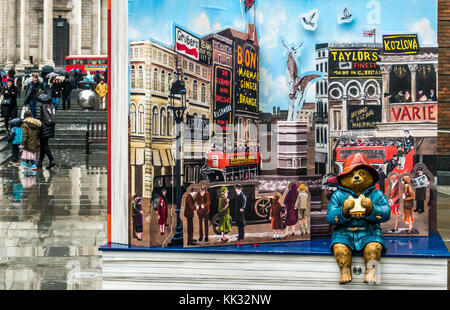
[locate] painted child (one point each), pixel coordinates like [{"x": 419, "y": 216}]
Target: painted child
[
  {"x": 30, "y": 137},
  {"x": 302, "y": 208},
  {"x": 275, "y": 216}
]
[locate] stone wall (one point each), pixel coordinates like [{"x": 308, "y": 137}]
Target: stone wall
[{"x": 444, "y": 86}]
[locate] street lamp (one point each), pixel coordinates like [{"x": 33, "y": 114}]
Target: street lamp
[{"x": 178, "y": 88}]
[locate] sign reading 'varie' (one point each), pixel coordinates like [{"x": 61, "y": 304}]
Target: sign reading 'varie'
[
  {"x": 413, "y": 113},
  {"x": 406, "y": 44}
]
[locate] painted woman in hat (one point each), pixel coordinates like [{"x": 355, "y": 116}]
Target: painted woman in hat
[
  {"x": 224, "y": 213},
  {"x": 358, "y": 231},
  {"x": 408, "y": 203},
  {"x": 394, "y": 200}
]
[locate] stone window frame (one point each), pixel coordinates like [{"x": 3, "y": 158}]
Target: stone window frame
[{"x": 132, "y": 117}]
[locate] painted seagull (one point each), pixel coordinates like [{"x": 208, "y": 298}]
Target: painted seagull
[
  {"x": 310, "y": 19},
  {"x": 345, "y": 16},
  {"x": 298, "y": 84}
]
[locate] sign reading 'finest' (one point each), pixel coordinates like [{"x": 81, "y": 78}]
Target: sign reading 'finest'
[
  {"x": 187, "y": 44},
  {"x": 401, "y": 44},
  {"x": 246, "y": 76},
  {"x": 363, "y": 117},
  {"x": 354, "y": 63},
  {"x": 222, "y": 98}
]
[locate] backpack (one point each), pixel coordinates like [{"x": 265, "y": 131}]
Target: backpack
[
  {"x": 48, "y": 114},
  {"x": 155, "y": 202}
]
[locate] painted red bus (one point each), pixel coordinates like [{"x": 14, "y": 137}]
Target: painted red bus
[
  {"x": 231, "y": 166},
  {"x": 85, "y": 63},
  {"x": 378, "y": 156}
]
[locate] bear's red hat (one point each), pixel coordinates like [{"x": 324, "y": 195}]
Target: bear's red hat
[{"x": 356, "y": 161}]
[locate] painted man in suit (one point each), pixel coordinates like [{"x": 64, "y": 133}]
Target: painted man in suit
[
  {"x": 240, "y": 204},
  {"x": 189, "y": 215}
]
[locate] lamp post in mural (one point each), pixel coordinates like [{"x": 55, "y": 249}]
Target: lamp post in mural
[{"x": 178, "y": 88}]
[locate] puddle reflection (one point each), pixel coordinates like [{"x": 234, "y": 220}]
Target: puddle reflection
[{"x": 52, "y": 222}]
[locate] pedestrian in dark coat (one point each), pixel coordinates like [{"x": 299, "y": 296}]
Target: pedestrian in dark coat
[
  {"x": 9, "y": 102},
  {"x": 137, "y": 214},
  {"x": 239, "y": 210},
  {"x": 19, "y": 86},
  {"x": 97, "y": 77},
  {"x": 291, "y": 213},
  {"x": 275, "y": 216},
  {"x": 56, "y": 92},
  {"x": 189, "y": 215},
  {"x": 47, "y": 132},
  {"x": 66, "y": 90},
  {"x": 31, "y": 92},
  {"x": 421, "y": 193}
]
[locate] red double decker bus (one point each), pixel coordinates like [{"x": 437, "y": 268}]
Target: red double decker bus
[
  {"x": 92, "y": 63},
  {"x": 231, "y": 166}
]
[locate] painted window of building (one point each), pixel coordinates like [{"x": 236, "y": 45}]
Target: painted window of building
[
  {"x": 191, "y": 66},
  {"x": 169, "y": 81},
  {"x": 133, "y": 77},
  {"x": 155, "y": 79},
  {"x": 185, "y": 64},
  {"x": 203, "y": 94},
  {"x": 165, "y": 59},
  {"x": 228, "y": 61},
  {"x": 141, "y": 119},
  {"x": 197, "y": 70},
  {"x": 163, "y": 81},
  {"x": 154, "y": 54},
  {"x": 159, "y": 56},
  {"x": 205, "y": 73},
  {"x": 155, "y": 119},
  {"x": 170, "y": 61},
  {"x": 141, "y": 77},
  {"x": 194, "y": 90},
  {"x": 186, "y": 85},
  {"x": 141, "y": 52},
  {"x": 133, "y": 118},
  {"x": 220, "y": 59},
  {"x": 169, "y": 122},
  {"x": 163, "y": 122}
]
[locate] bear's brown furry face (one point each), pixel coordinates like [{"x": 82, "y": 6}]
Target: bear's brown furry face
[{"x": 357, "y": 181}]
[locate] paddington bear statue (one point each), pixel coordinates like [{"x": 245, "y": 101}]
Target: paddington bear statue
[{"x": 357, "y": 209}]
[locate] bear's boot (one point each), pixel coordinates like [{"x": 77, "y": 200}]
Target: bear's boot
[
  {"x": 372, "y": 255},
  {"x": 343, "y": 255}
]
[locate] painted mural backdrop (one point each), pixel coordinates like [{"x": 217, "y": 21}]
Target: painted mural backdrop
[{"x": 243, "y": 112}]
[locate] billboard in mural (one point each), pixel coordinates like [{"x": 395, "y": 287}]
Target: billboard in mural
[{"x": 271, "y": 101}]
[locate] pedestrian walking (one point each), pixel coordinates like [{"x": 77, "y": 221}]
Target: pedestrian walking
[
  {"x": 291, "y": 213},
  {"x": 102, "y": 91},
  {"x": 224, "y": 214},
  {"x": 12, "y": 73},
  {"x": 189, "y": 215},
  {"x": 15, "y": 139},
  {"x": 30, "y": 137},
  {"x": 89, "y": 77},
  {"x": 56, "y": 92},
  {"x": 203, "y": 203},
  {"x": 46, "y": 113},
  {"x": 97, "y": 77},
  {"x": 162, "y": 212},
  {"x": 275, "y": 216},
  {"x": 19, "y": 83},
  {"x": 66, "y": 91},
  {"x": 31, "y": 93},
  {"x": 105, "y": 76},
  {"x": 239, "y": 211},
  {"x": 137, "y": 214},
  {"x": 9, "y": 102}
]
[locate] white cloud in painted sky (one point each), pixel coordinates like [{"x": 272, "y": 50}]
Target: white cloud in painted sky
[{"x": 427, "y": 35}]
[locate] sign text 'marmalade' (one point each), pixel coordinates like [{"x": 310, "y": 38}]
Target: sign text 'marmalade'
[{"x": 413, "y": 113}]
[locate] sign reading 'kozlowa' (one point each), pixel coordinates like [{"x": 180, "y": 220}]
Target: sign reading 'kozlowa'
[{"x": 406, "y": 44}]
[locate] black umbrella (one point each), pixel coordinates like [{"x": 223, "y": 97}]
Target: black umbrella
[{"x": 47, "y": 69}]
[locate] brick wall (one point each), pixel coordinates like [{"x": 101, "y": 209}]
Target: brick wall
[{"x": 444, "y": 85}]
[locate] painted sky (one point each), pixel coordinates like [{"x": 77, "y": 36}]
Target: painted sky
[{"x": 280, "y": 20}]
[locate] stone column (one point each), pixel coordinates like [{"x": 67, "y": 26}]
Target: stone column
[
  {"x": 47, "y": 34},
  {"x": 436, "y": 70},
  {"x": 344, "y": 113},
  {"x": 104, "y": 27},
  {"x": 75, "y": 23},
  {"x": 24, "y": 45},
  {"x": 11, "y": 34},
  {"x": 386, "y": 71},
  {"x": 95, "y": 26},
  {"x": 413, "y": 70}
]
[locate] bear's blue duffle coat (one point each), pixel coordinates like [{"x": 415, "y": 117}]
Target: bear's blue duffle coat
[{"x": 356, "y": 233}]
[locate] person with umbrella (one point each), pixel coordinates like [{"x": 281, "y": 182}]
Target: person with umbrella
[
  {"x": 31, "y": 92},
  {"x": 9, "y": 102},
  {"x": 45, "y": 70}
]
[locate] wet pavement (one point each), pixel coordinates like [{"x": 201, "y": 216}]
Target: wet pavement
[{"x": 52, "y": 223}]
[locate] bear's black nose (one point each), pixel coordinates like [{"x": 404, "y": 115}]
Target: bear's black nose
[{"x": 356, "y": 177}]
